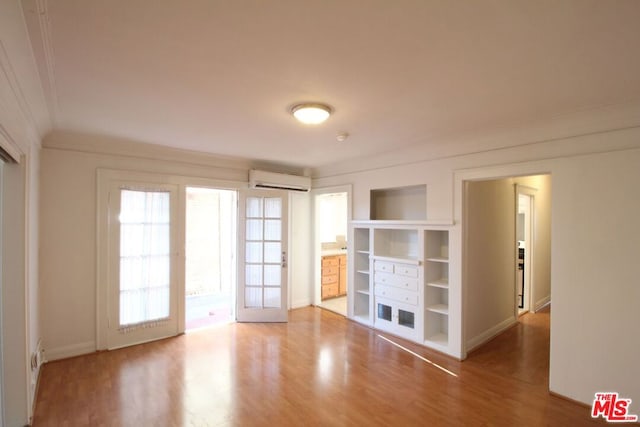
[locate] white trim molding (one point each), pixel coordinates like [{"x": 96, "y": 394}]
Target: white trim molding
[
  {"x": 490, "y": 333},
  {"x": 71, "y": 350}
]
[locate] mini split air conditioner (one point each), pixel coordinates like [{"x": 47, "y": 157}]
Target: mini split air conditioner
[{"x": 278, "y": 181}]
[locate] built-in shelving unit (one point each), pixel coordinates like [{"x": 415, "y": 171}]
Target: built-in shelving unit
[
  {"x": 400, "y": 265},
  {"x": 401, "y": 275},
  {"x": 362, "y": 300},
  {"x": 436, "y": 317}
]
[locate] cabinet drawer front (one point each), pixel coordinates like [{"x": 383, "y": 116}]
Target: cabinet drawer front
[
  {"x": 329, "y": 290},
  {"x": 342, "y": 259},
  {"x": 389, "y": 279},
  {"x": 380, "y": 277},
  {"x": 330, "y": 270},
  {"x": 329, "y": 261},
  {"x": 405, "y": 270},
  {"x": 383, "y": 266},
  {"x": 333, "y": 278},
  {"x": 407, "y": 283},
  {"x": 396, "y": 294}
]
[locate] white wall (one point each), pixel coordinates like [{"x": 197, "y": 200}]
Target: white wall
[
  {"x": 594, "y": 340},
  {"x": 595, "y": 343},
  {"x": 23, "y": 120},
  {"x": 490, "y": 263},
  {"x": 69, "y": 164},
  {"x": 299, "y": 245},
  {"x": 14, "y": 327}
]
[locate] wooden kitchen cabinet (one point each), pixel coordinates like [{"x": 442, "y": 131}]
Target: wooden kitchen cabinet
[
  {"x": 334, "y": 276},
  {"x": 342, "y": 280}
]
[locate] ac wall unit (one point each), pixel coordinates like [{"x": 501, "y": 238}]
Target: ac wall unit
[{"x": 278, "y": 181}]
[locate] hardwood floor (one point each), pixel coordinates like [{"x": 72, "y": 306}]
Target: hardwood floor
[{"x": 318, "y": 370}]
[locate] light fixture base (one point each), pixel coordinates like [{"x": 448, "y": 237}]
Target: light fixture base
[{"x": 311, "y": 113}]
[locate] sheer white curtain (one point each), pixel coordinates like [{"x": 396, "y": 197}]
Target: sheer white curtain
[{"x": 144, "y": 256}]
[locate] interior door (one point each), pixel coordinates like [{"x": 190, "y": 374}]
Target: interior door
[
  {"x": 142, "y": 282},
  {"x": 262, "y": 256}
]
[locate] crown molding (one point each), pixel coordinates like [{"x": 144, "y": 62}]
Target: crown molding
[
  {"x": 18, "y": 109},
  {"x": 49, "y": 58},
  {"x": 581, "y": 123},
  {"x": 36, "y": 14},
  {"x": 114, "y": 146}
]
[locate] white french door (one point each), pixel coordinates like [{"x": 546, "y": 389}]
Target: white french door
[
  {"x": 142, "y": 275},
  {"x": 262, "y": 255}
]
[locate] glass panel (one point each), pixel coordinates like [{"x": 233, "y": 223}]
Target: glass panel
[
  {"x": 272, "y": 297},
  {"x": 273, "y": 207},
  {"x": 253, "y": 275},
  {"x": 272, "y": 252},
  {"x": 158, "y": 240},
  {"x": 384, "y": 312},
  {"x": 145, "y": 261},
  {"x": 253, "y": 297},
  {"x": 254, "y": 252},
  {"x": 272, "y": 229},
  {"x": 272, "y": 275},
  {"x": 406, "y": 318},
  {"x": 254, "y": 207},
  {"x": 254, "y": 229}
]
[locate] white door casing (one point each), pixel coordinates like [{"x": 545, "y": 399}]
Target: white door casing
[{"x": 114, "y": 330}]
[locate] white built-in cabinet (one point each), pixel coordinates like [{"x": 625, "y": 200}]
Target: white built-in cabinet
[{"x": 400, "y": 272}]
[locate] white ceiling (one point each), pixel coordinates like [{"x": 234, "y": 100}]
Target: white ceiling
[{"x": 219, "y": 76}]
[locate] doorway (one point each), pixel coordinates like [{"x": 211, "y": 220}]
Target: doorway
[
  {"x": 524, "y": 241},
  {"x": 503, "y": 268},
  {"x": 210, "y": 256},
  {"x": 331, "y": 217}
]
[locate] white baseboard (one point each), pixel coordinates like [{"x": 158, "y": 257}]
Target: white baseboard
[
  {"x": 300, "y": 303},
  {"x": 70, "y": 350},
  {"x": 541, "y": 303},
  {"x": 485, "y": 336}
]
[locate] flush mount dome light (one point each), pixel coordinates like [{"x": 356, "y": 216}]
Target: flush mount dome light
[{"x": 311, "y": 114}]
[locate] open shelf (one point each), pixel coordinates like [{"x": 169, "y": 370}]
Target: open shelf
[
  {"x": 361, "y": 240},
  {"x": 439, "y": 339},
  {"x": 363, "y": 292},
  {"x": 439, "y": 308},
  {"x": 437, "y": 246},
  {"x": 436, "y": 328},
  {"x": 399, "y": 203},
  {"x": 439, "y": 283},
  {"x": 399, "y": 243}
]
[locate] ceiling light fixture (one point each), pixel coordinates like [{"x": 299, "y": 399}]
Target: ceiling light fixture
[{"x": 312, "y": 113}]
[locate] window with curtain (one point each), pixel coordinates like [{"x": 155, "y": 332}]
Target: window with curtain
[{"x": 144, "y": 256}]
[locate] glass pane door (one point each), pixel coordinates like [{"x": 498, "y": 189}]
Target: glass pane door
[
  {"x": 142, "y": 285},
  {"x": 262, "y": 287}
]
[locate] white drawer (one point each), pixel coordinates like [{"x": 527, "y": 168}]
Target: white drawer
[
  {"x": 407, "y": 283},
  {"x": 397, "y": 294},
  {"x": 389, "y": 279},
  {"x": 406, "y": 270},
  {"x": 383, "y": 266},
  {"x": 383, "y": 278}
]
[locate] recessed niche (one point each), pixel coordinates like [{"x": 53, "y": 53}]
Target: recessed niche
[{"x": 399, "y": 203}]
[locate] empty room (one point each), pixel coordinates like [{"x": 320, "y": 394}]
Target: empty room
[{"x": 337, "y": 213}]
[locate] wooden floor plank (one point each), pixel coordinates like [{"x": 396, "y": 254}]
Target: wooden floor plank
[{"x": 317, "y": 370}]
